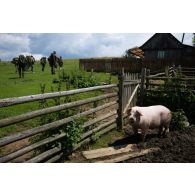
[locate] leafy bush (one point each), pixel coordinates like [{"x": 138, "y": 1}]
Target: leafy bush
[
  {"x": 79, "y": 79},
  {"x": 179, "y": 120}
]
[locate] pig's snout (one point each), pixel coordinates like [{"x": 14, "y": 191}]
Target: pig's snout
[{"x": 131, "y": 120}]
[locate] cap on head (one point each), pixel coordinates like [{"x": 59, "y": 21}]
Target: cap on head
[{"x": 54, "y": 52}]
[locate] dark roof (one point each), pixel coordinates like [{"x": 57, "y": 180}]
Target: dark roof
[{"x": 157, "y": 34}]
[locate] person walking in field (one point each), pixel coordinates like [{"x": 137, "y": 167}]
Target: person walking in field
[
  {"x": 21, "y": 65},
  {"x": 43, "y": 62},
  {"x": 60, "y": 62},
  {"x": 53, "y": 61}
]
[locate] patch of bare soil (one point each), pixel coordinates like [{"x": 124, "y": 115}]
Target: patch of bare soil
[{"x": 177, "y": 147}]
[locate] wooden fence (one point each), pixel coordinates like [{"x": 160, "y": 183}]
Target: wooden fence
[
  {"x": 117, "y": 96},
  {"x": 114, "y": 65},
  {"x": 155, "y": 80}
]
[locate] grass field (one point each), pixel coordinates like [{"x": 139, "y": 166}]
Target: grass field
[{"x": 13, "y": 86}]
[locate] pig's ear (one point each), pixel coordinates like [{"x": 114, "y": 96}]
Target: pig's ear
[
  {"x": 128, "y": 111},
  {"x": 138, "y": 113}
]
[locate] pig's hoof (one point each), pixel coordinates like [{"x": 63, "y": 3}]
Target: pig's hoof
[
  {"x": 141, "y": 145},
  {"x": 165, "y": 135}
]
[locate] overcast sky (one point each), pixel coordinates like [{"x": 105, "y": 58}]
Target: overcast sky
[{"x": 74, "y": 45}]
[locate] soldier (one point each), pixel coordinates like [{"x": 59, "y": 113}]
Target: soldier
[
  {"x": 21, "y": 65},
  {"x": 60, "y": 62},
  {"x": 43, "y": 62},
  {"x": 15, "y": 61},
  {"x": 30, "y": 62},
  {"x": 53, "y": 60}
]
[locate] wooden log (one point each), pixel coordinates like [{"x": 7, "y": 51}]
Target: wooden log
[
  {"x": 157, "y": 75},
  {"x": 96, "y": 120},
  {"x": 24, "y": 99},
  {"x": 171, "y": 78},
  {"x": 102, "y": 152},
  {"x": 30, "y": 115},
  {"x": 27, "y": 149},
  {"x": 101, "y": 126},
  {"x": 44, "y": 155},
  {"x": 55, "y": 158},
  {"x": 121, "y": 99},
  {"x": 130, "y": 82},
  {"x": 12, "y": 138},
  {"x": 129, "y": 156},
  {"x": 143, "y": 76},
  {"x": 131, "y": 98},
  {"x": 147, "y": 79}
]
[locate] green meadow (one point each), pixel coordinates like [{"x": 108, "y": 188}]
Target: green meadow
[{"x": 13, "y": 86}]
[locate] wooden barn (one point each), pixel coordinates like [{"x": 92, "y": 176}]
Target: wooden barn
[{"x": 166, "y": 46}]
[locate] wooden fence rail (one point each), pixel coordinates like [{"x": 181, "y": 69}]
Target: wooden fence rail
[
  {"x": 20, "y": 100},
  {"x": 30, "y": 115}
]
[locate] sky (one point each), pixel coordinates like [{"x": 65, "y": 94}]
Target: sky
[{"x": 74, "y": 45}]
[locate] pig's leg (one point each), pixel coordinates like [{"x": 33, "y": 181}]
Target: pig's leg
[
  {"x": 135, "y": 130},
  {"x": 160, "y": 131},
  {"x": 144, "y": 131},
  {"x": 166, "y": 131}
]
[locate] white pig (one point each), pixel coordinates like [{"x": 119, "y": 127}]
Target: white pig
[{"x": 150, "y": 117}]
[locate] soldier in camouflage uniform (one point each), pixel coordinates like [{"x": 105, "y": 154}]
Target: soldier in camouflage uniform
[
  {"x": 30, "y": 62},
  {"x": 15, "y": 61},
  {"x": 60, "y": 62},
  {"x": 53, "y": 60},
  {"x": 21, "y": 65},
  {"x": 43, "y": 62}
]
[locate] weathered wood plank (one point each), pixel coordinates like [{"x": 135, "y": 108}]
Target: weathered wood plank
[
  {"x": 30, "y": 115},
  {"x": 171, "y": 78},
  {"x": 55, "y": 158},
  {"x": 129, "y": 156},
  {"x": 101, "y": 126},
  {"x": 108, "y": 151},
  {"x": 20, "y": 100},
  {"x": 130, "y": 99},
  {"x": 44, "y": 155},
  {"x": 121, "y": 78},
  {"x": 27, "y": 149},
  {"x": 96, "y": 120},
  {"x": 143, "y": 76}
]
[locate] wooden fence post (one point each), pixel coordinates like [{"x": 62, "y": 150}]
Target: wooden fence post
[
  {"x": 147, "y": 79},
  {"x": 143, "y": 77},
  {"x": 167, "y": 71},
  {"x": 120, "y": 100}
]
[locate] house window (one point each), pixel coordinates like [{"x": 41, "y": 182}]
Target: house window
[{"x": 161, "y": 54}]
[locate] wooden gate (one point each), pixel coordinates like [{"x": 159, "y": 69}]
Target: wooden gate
[{"x": 128, "y": 91}]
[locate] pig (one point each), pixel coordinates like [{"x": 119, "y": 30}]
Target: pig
[{"x": 151, "y": 117}]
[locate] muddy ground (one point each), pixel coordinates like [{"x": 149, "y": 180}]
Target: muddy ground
[{"x": 177, "y": 147}]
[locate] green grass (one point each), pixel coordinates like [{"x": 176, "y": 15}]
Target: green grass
[
  {"x": 106, "y": 139},
  {"x": 13, "y": 86}
]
